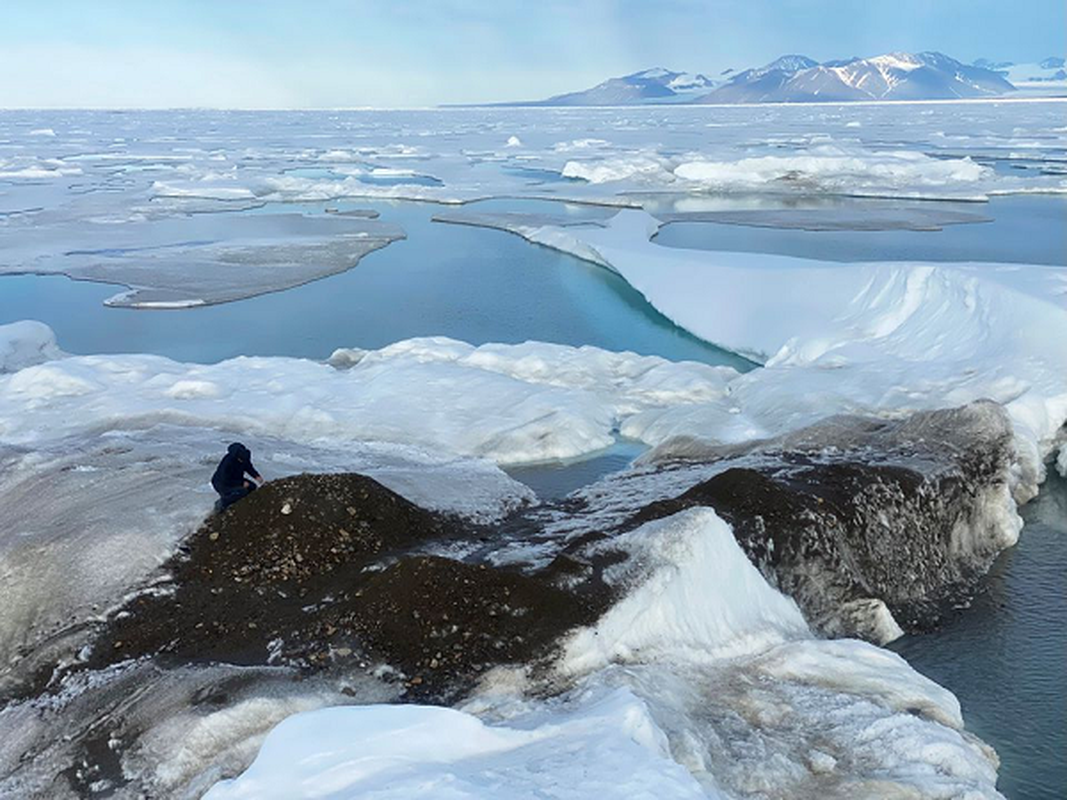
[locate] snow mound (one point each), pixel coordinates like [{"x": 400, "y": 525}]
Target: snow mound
[
  {"x": 697, "y": 597},
  {"x": 26, "y": 343},
  {"x": 509, "y": 403},
  {"x": 609, "y": 747}
]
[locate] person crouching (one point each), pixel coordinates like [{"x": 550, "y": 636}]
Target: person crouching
[{"x": 229, "y": 479}]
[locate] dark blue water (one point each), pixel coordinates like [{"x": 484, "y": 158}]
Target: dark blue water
[
  {"x": 1006, "y": 656},
  {"x": 467, "y": 283},
  {"x": 554, "y": 481}
]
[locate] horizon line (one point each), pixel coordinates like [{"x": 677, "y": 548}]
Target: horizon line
[{"x": 540, "y": 105}]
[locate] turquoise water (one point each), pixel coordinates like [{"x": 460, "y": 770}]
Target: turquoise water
[{"x": 467, "y": 283}]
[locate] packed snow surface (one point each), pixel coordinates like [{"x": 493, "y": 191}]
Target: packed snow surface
[
  {"x": 610, "y": 748},
  {"x": 510, "y": 403}
]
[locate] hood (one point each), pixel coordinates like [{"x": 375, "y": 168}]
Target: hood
[{"x": 239, "y": 450}]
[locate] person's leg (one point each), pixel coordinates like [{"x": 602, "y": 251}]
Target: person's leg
[{"x": 233, "y": 496}]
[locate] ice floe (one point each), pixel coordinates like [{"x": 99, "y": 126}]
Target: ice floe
[{"x": 510, "y": 403}]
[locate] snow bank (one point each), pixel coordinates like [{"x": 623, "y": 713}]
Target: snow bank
[
  {"x": 606, "y": 747},
  {"x": 697, "y": 597},
  {"x": 510, "y": 403},
  {"x": 23, "y": 344}
]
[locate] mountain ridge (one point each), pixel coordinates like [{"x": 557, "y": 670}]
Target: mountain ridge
[{"x": 793, "y": 78}]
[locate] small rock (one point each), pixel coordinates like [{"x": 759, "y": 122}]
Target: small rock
[
  {"x": 344, "y": 652},
  {"x": 416, "y": 681},
  {"x": 287, "y": 509},
  {"x": 213, "y": 535},
  {"x": 434, "y": 663}
]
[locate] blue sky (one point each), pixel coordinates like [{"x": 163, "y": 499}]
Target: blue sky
[{"x": 402, "y": 53}]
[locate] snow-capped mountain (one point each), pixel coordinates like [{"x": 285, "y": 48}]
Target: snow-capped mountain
[
  {"x": 798, "y": 78},
  {"x": 651, "y": 85},
  {"x": 893, "y": 76}
]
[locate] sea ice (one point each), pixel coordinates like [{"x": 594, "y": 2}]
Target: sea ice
[
  {"x": 23, "y": 344},
  {"x": 197, "y": 261},
  {"x": 605, "y": 747},
  {"x": 510, "y": 403}
]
